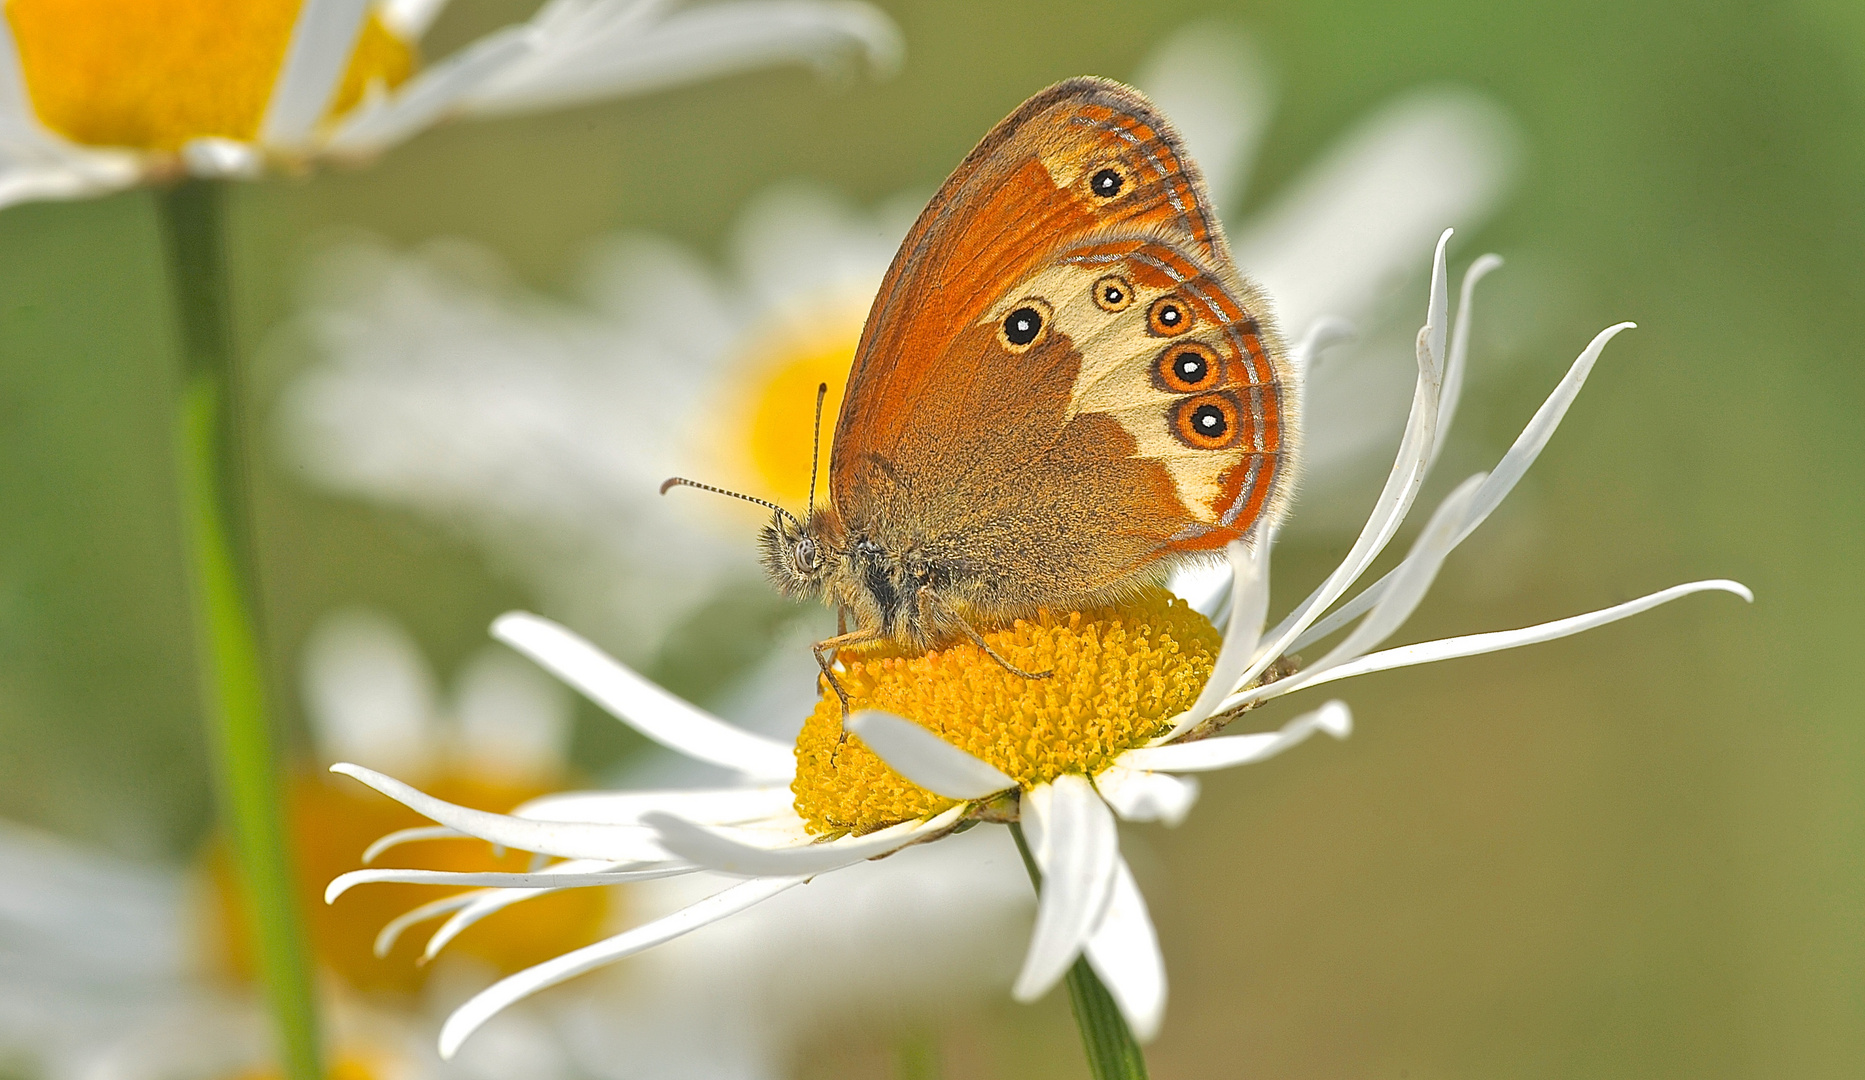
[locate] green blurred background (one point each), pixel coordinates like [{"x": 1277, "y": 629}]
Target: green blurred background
[{"x": 1636, "y": 853}]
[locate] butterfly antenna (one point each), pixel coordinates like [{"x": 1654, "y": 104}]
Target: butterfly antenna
[
  {"x": 815, "y": 447},
  {"x": 680, "y": 481}
]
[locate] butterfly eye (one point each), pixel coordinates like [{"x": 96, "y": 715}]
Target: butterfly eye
[
  {"x": 1113, "y": 293},
  {"x": 1206, "y": 422},
  {"x": 1186, "y": 368},
  {"x": 806, "y": 556},
  {"x": 1168, "y": 317},
  {"x": 1024, "y": 326},
  {"x": 1107, "y": 183}
]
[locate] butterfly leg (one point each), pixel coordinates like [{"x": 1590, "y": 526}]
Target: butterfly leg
[
  {"x": 930, "y": 602},
  {"x": 825, "y": 659}
]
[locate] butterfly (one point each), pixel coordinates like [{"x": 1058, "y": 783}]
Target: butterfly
[{"x": 1063, "y": 390}]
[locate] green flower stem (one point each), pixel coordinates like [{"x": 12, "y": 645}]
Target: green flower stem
[
  {"x": 212, "y": 464},
  {"x": 1113, "y": 1052}
]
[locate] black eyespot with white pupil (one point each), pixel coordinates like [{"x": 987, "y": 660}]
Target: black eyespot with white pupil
[
  {"x": 1190, "y": 368},
  {"x": 1208, "y": 421},
  {"x": 1168, "y": 317},
  {"x": 1022, "y": 325},
  {"x": 1106, "y": 183},
  {"x": 1113, "y": 293}
]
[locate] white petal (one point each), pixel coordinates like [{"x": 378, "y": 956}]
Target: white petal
[
  {"x": 1323, "y": 334},
  {"x": 389, "y": 934},
  {"x": 1249, "y": 604},
  {"x": 1072, "y": 836},
  {"x": 343, "y": 883},
  {"x": 1214, "y": 84},
  {"x": 1460, "y": 345},
  {"x": 430, "y": 96},
  {"x": 408, "y": 836},
  {"x": 716, "y": 851},
  {"x": 596, "y": 55},
  {"x": 1146, "y": 796},
  {"x": 1395, "y": 499},
  {"x": 1410, "y": 580},
  {"x": 568, "y": 839},
  {"x": 482, "y": 903},
  {"x": 1125, "y": 953},
  {"x": 639, "y": 703},
  {"x": 34, "y": 169},
  {"x": 1502, "y": 480},
  {"x": 409, "y": 19},
  {"x": 1428, "y": 652},
  {"x": 486, "y": 902},
  {"x": 483, "y": 1006},
  {"x": 719, "y": 806},
  {"x": 1225, "y": 751},
  {"x": 925, "y": 759},
  {"x": 229, "y": 158},
  {"x": 322, "y": 42}
]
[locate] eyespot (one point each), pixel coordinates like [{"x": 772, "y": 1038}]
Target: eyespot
[
  {"x": 1168, "y": 317},
  {"x": 1186, "y": 368},
  {"x": 1107, "y": 183},
  {"x": 1206, "y": 422},
  {"x": 1113, "y": 293},
  {"x": 806, "y": 555},
  {"x": 1026, "y": 325}
]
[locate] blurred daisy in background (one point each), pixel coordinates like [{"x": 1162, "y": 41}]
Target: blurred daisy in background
[
  {"x": 116, "y": 970},
  {"x": 954, "y": 738},
  {"x": 97, "y": 95},
  {"x": 547, "y": 426}
]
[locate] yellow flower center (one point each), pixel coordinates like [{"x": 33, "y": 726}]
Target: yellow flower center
[
  {"x": 154, "y": 74},
  {"x": 1121, "y": 674},
  {"x": 333, "y": 822},
  {"x": 780, "y": 410},
  {"x": 345, "y": 1067}
]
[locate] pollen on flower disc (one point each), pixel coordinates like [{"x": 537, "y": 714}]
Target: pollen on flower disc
[{"x": 1121, "y": 674}]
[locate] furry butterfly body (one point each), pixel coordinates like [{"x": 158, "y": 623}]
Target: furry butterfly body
[{"x": 1063, "y": 389}]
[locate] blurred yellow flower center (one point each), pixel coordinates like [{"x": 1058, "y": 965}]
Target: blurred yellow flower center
[
  {"x": 347, "y": 1067},
  {"x": 153, "y": 74},
  {"x": 782, "y": 405},
  {"x": 332, "y": 822},
  {"x": 1121, "y": 674}
]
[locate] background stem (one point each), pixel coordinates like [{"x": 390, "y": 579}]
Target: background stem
[
  {"x": 213, "y": 478},
  {"x": 1113, "y": 1052}
]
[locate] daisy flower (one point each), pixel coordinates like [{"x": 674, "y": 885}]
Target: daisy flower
[
  {"x": 115, "y": 968},
  {"x": 946, "y": 741},
  {"x": 547, "y": 426},
  {"x": 97, "y": 95}
]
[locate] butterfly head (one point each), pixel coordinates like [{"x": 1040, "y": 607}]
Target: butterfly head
[{"x": 800, "y": 557}]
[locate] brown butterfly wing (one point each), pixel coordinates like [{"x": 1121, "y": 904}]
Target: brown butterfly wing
[{"x": 1063, "y": 466}]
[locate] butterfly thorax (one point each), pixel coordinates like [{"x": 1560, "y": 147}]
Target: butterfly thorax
[{"x": 892, "y": 585}]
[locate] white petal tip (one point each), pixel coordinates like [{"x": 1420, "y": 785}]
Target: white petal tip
[
  {"x": 512, "y": 622},
  {"x": 1028, "y": 992},
  {"x": 1735, "y": 588},
  {"x": 1336, "y": 719}
]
